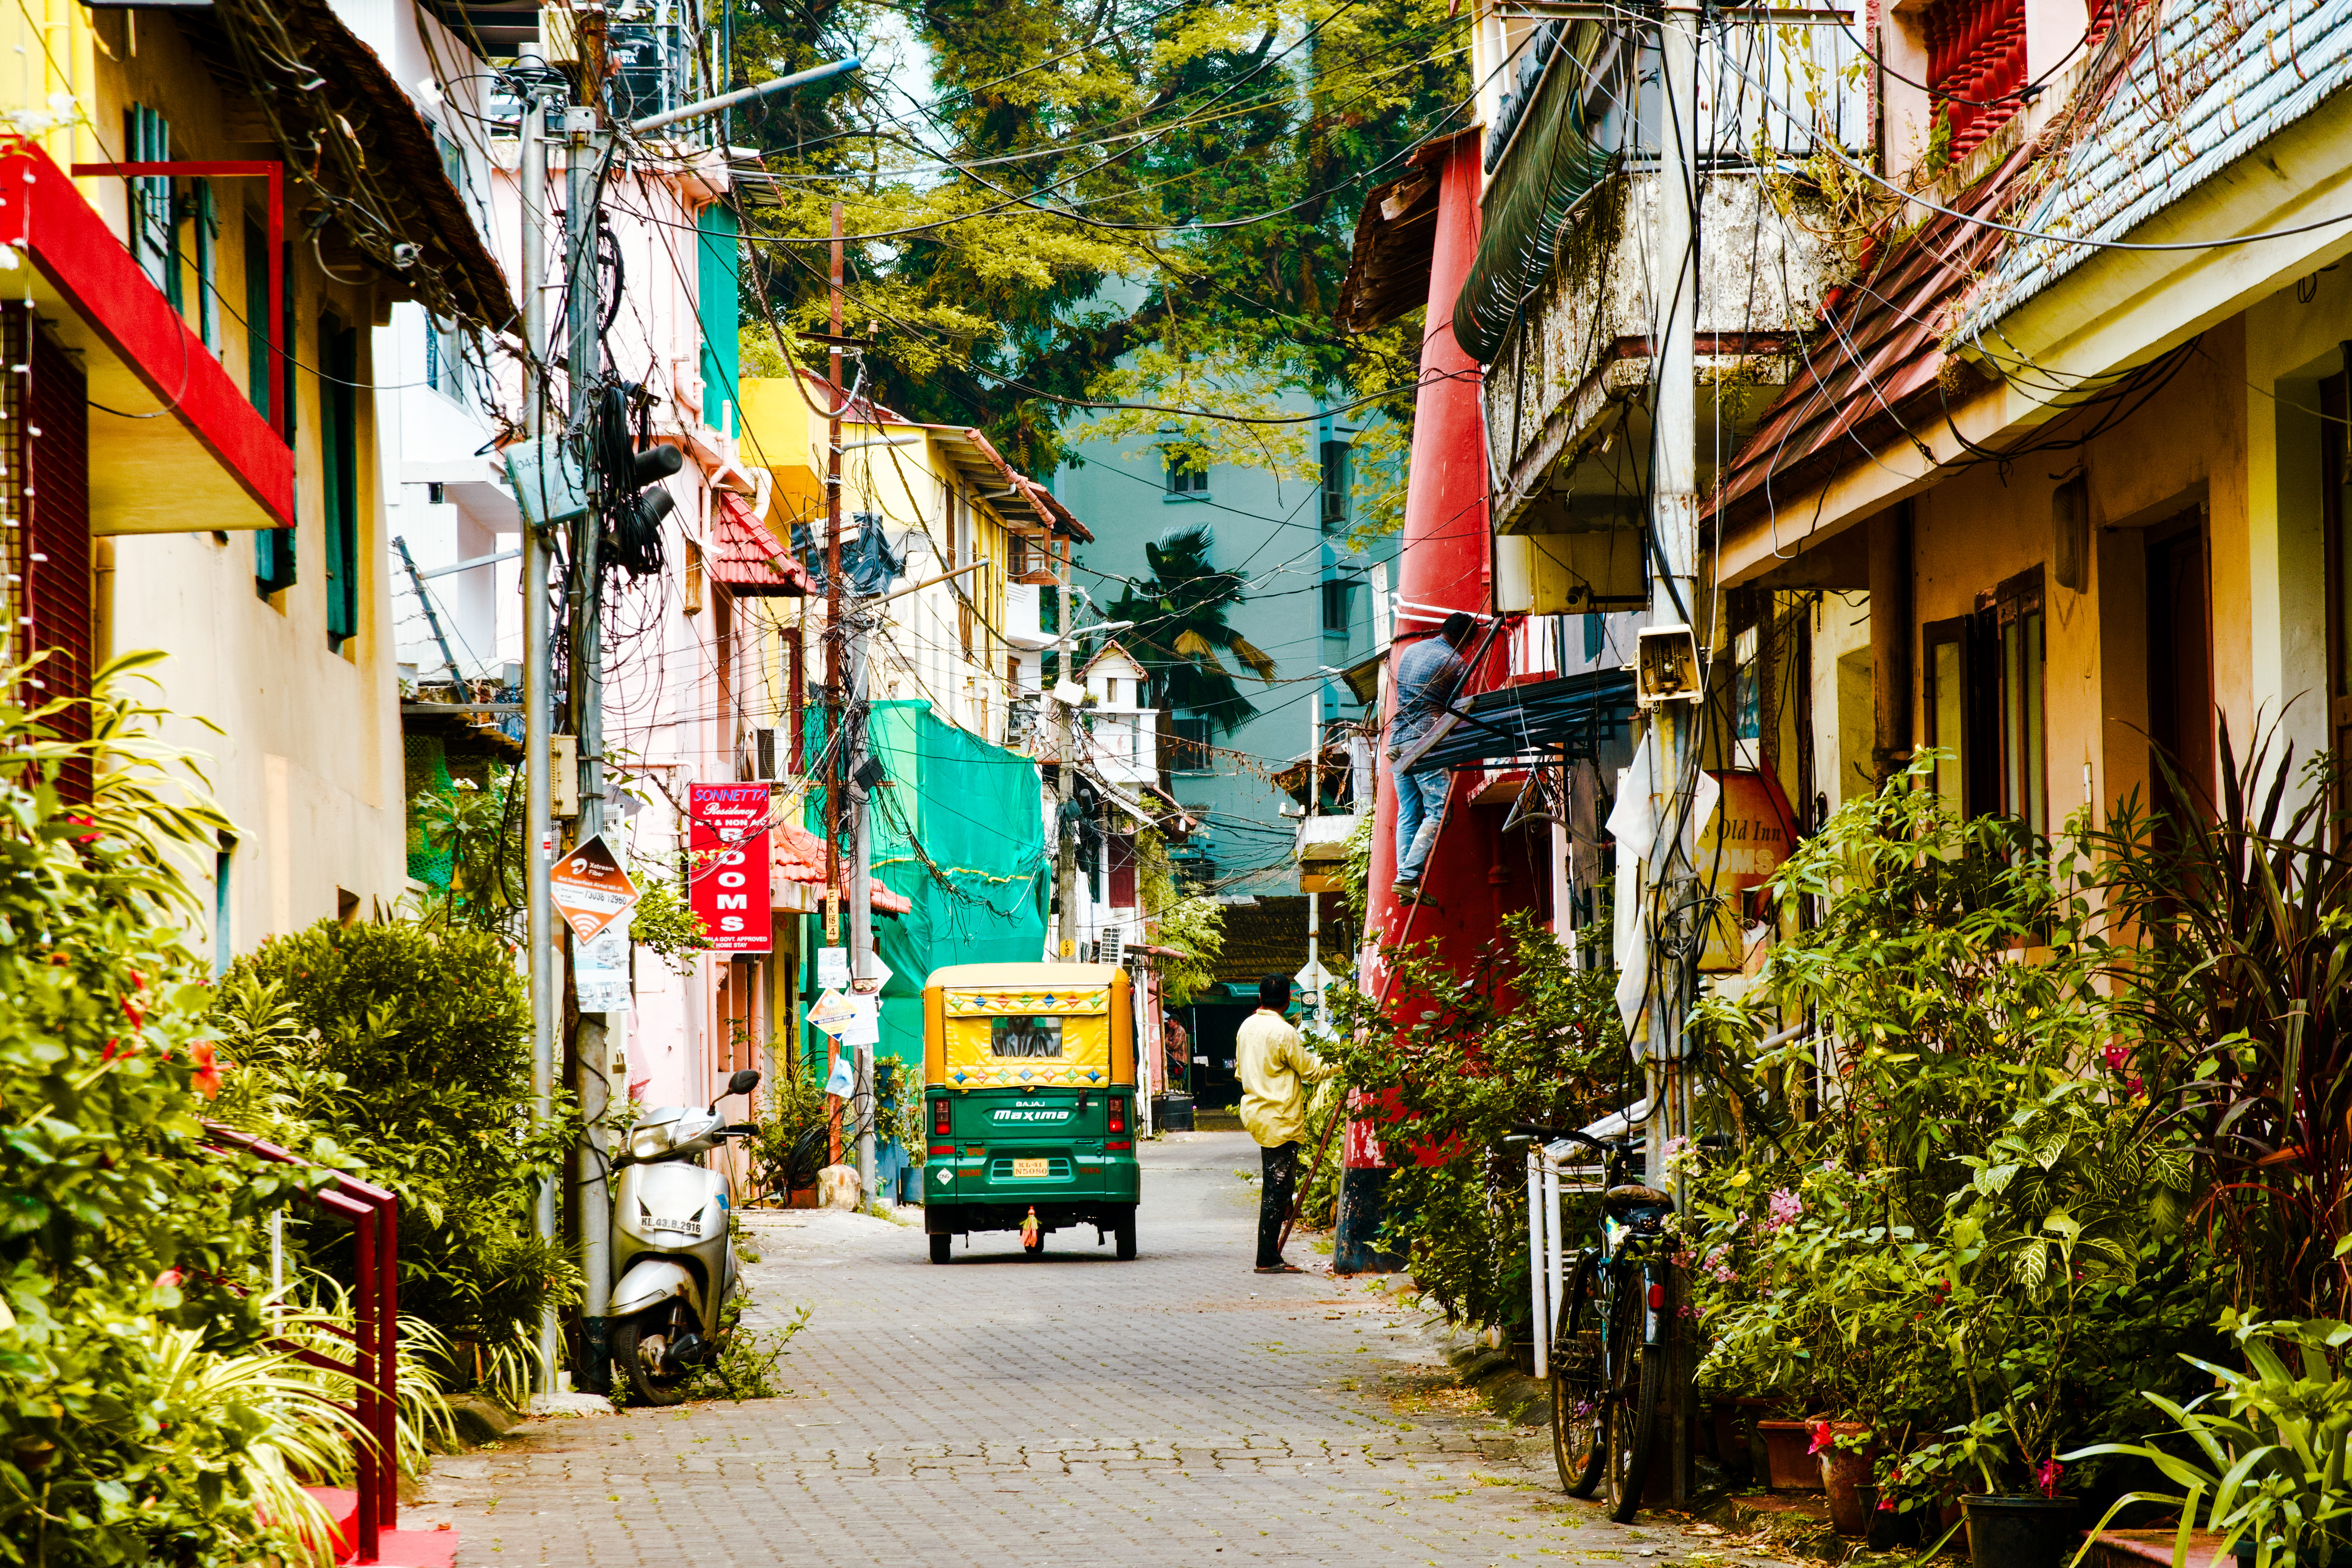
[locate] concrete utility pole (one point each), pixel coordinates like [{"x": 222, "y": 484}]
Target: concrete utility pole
[
  {"x": 584, "y": 145},
  {"x": 1065, "y": 842},
  {"x": 537, "y": 697},
  {"x": 1673, "y": 601},
  {"x": 834, "y": 802},
  {"x": 1313, "y": 799},
  {"x": 861, "y": 917}
]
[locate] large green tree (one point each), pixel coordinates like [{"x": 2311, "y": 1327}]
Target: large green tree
[{"x": 1105, "y": 201}]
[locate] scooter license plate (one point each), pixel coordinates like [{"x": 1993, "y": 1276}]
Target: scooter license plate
[{"x": 1029, "y": 1169}]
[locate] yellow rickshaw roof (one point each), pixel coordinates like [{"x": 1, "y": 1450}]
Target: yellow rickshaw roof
[{"x": 1021, "y": 976}]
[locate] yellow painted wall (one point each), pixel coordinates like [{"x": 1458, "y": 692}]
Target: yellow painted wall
[
  {"x": 2185, "y": 448},
  {"x": 904, "y": 483},
  {"x": 309, "y": 767}
]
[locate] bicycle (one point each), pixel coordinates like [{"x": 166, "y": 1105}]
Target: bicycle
[{"x": 1608, "y": 1356}]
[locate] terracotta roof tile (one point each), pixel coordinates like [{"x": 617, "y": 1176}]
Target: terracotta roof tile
[
  {"x": 798, "y": 856},
  {"x": 746, "y": 557}
]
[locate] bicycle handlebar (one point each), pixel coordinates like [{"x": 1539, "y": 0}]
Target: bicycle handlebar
[
  {"x": 1622, "y": 1145},
  {"x": 1529, "y": 1130}
]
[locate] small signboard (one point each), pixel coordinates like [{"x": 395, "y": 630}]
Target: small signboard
[
  {"x": 831, "y": 1013},
  {"x": 599, "y": 971},
  {"x": 1741, "y": 844},
  {"x": 589, "y": 888},
  {"x": 833, "y": 968},
  {"x": 729, "y": 880},
  {"x": 1312, "y": 979}
]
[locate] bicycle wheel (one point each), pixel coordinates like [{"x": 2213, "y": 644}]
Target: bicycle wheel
[
  {"x": 1579, "y": 1396},
  {"x": 1634, "y": 1371}
]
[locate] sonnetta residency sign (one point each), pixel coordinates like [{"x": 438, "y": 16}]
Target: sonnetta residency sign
[{"x": 727, "y": 857}]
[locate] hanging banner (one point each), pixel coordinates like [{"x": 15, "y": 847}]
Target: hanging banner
[
  {"x": 728, "y": 881},
  {"x": 590, "y": 889}
]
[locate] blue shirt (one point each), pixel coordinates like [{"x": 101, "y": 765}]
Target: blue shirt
[{"x": 1428, "y": 676}]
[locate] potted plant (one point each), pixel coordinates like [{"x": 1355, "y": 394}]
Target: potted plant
[
  {"x": 2268, "y": 1471},
  {"x": 1848, "y": 1455}
]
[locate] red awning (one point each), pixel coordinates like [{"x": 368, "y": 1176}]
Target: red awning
[
  {"x": 174, "y": 446},
  {"x": 798, "y": 856},
  {"x": 746, "y": 558}
]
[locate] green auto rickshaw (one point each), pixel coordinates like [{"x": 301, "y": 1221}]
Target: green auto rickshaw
[{"x": 1029, "y": 1100}]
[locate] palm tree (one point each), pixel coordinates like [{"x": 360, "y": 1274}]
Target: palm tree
[{"x": 1181, "y": 633}]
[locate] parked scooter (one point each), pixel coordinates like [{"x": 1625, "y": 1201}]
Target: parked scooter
[{"x": 673, "y": 1260}]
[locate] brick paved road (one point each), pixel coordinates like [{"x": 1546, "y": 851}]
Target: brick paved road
[{"x": 1175, "y": 1410}]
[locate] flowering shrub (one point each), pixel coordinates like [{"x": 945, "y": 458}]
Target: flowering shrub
[
  {"x": 1965, "y": 1234},
  {"x": 140, "y": 1421}
]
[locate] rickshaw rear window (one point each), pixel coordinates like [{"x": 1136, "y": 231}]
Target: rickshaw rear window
[{"x": 1029, "y": 1037}]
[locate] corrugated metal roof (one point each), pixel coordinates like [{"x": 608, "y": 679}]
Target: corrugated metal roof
[{"x": 2205, "y": 95}]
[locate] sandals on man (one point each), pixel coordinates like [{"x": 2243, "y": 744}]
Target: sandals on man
[{"x": 1282, "y": 1269}]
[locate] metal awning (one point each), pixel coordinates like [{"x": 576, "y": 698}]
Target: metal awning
[{"x": 1576, "y": 714}]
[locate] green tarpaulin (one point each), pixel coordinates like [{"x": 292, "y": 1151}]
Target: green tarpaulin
[{"x": 959, "y": 832}]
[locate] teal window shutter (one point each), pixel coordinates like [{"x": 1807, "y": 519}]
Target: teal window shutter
[
  {"x": 208, "y": 241},
  {"x": 259, "y": 361},
  {"x": 339, "y": 475},
  {"x": 720, "y": 312},
  {"x": 272, "y": 378},
  {"x": 273, "y": 562}
]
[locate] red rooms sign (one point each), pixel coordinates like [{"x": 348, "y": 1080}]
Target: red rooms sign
[{"x": 727, "y": 864}]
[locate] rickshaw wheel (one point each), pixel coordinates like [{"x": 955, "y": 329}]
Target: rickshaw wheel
[
  {"x": 1124, "y": 1234},
  {"x": 940, "y": 1242}
]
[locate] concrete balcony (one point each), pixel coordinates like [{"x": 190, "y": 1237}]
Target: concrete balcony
[{"x": 1568, "y": 399}]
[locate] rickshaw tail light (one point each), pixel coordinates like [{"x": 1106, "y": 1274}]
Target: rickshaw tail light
[
  {"x": 940, "y": 1113},
  {"x": 1119, "y": 1113}
]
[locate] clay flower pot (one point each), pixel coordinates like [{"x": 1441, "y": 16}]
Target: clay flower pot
[
  {"x": 1730, "y": 1424},
  {"x": 1787, "y": 1468},
  {"x": 1845, "y": 1474}
]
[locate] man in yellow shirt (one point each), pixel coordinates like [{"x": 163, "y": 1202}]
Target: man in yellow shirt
[{"x": 1274, "y": 1066}]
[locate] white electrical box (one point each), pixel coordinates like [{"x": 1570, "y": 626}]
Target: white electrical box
[{"x": 563, "y": 776}]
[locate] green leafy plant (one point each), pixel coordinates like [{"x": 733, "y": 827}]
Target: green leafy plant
[
  {"x": 1519, "y": 1034},
  {"x": 794, "y": 1112},
  {"x": 747, "y": 1363},
  {"x": 141, "y": 1415},
  {"x": 898, "y": 1108},
  {"x": 481, "y": 829},
  {"x": 403, "y": 1051},
  {"x": 1190, "y": 926},
  {"x": 2234, "y": 1013},
  {"x": 1955, "y": 1233},
  {"x": 2267, "y": 1461},
  {"x": 664, "y": 922}
]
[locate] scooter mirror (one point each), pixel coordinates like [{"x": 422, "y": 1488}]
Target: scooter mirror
[{"x": 745, "y": 1081}]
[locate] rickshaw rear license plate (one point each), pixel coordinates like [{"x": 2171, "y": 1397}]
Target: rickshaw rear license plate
[{"x": 1029, "y": 1169}]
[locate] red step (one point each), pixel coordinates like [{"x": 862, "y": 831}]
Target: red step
[
  {"x": 342, "y": 1506},
  {"x": 395, "y": 1548},
  {"x": 2153, "y": 1549}
]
